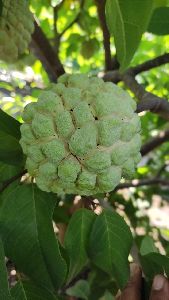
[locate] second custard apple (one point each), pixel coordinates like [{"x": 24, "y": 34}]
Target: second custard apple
[
  {"x": 81, "y": 136},
  {"x": 16, "y": 27}
]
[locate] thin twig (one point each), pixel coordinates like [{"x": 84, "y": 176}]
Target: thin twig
[
  {"x": 115, "y": 76},
  {"x": 106, "y": 35},
  {"x": 155, "y": 142},
  {"x": 137, "y": 183},
  {"x": 150, "y": 64},
  {"x": 147, "y": 101}
]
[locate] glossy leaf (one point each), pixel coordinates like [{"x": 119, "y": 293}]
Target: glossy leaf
[
  {"x": 28, "y": 236},
  {"x": 159, "y": 23},
  {"x": 4, "y": 287},
  {"x": 76, "y": 240},
  {"x": 127, "y": 21},
  {"x": 110, "y": 244}
]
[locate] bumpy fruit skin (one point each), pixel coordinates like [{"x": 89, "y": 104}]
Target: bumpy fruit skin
[
  {"x": 81, "y": 136},
  {"x": 16, "y": 27}
]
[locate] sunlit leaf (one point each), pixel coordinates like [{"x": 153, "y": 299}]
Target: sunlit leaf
[
  {"x": 127, "y": 21},
  {"x": 110, "y": 243}
]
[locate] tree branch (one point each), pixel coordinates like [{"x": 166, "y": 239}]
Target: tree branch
[
  {"x": 46, "y": 54},
  {"x": 162, "y": 137},
  {"x": 150, "y": 64},
  {"x": 137, "y": 183},
  {"x": 106, "y": 35},
  {"x": 115, "y": 76},
  {"x": 148, "y": 101}
]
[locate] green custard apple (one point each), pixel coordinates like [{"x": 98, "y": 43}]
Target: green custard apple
[
  {"x": 81, "y": 136},
  {"x": 16, "y": 27}
]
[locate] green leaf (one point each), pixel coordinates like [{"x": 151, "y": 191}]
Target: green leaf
[
  {"x": 159, "y": 23},
  {"x": 10, "y": 149},
  {"x": 28, "y": 235},
  {"x": 4, "y": 287},
  {"x": 9, "y": 171},
  {"x": 76, "y": 239},
  {"x": 127, "y": 21},
  {"x": 159, "y": 3},
  {"x": 153, "y": 264},
  {"x": 81, "y": 290},
  {"x": 107, "y": 296},
  {"x": 60, "y": 215},
  {"x": 147, "y": 246},
  {"x": 29, "y": 291},
  {"x": 9, "y": 125},
  {"x": 110, "y": 244}
]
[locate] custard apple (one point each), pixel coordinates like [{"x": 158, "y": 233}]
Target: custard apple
[
  {"x": 16, "y": 27},
  {"x": 81, "y": 136}
]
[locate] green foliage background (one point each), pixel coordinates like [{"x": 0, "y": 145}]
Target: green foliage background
[{"x": 81, "y": 50}]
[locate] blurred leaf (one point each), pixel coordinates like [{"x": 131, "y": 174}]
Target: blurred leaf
[
  {"x": 29, "y": 291},
  {"x": 76, "y": 240},
  {"x": 109, "y": 233},
  {"x": 159, "y": 23},
  {"x": 81, "y": 290},
  {"x": 25, "y": 219},
  {"x": 107, "y": 296},
  {"x": 4, "y": 287},
  {"x": 127, "y": 21},
  {"x": 147, "y": 246},
  {"x": 89, "y": 47},
  {"x": 165, "y": 233},
  {"x": 153, "y": 264},
  {"x": 159, "y": 3}
]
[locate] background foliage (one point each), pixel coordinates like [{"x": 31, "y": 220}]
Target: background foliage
[{"x": 86, "y": 254}]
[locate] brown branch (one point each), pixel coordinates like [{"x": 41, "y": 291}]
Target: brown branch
[
  {"x": 150, "y": 64},
  {"x": 115, "y": 76},
  {"x": 106, "y": 35},
  {"x": 155, "y": 142},
  {"x": 46, "y": 54},
  {"x": 6, "y": 183},
  {"x": 137, "y": 183},
  {"x": 148, "y": 101}
]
